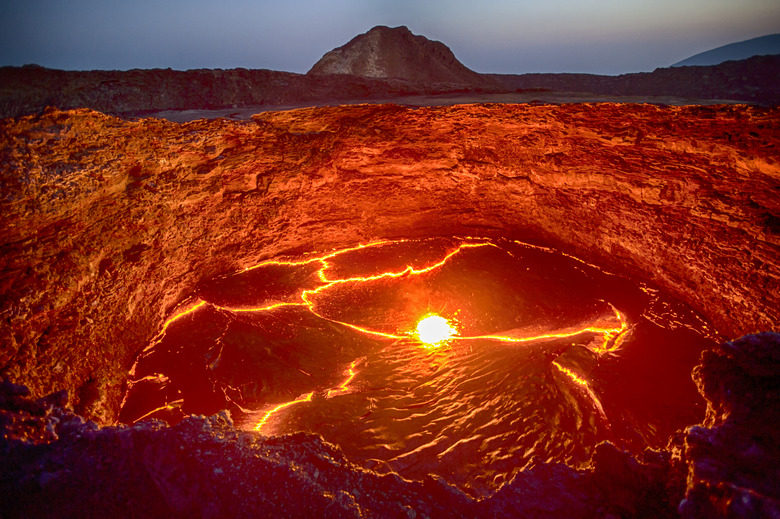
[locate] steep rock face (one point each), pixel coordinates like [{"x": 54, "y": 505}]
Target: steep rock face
[
  {"x": 109, "y": 224},
  {"x": 29, "y": 90},
  {"x": 383, "y": 52},
  {"x": 734, "y": 457}
]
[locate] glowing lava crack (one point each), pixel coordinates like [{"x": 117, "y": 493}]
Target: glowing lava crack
[
  {"x": 436, "y": 355},
  {"x": 432, "y": 330}
]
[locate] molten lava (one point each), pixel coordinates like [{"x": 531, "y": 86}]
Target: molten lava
[
  {"x": 547, "y": 365},
  {"x": 434, "y": 330}
]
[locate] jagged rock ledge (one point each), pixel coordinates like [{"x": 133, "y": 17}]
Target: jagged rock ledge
[{"x": 56, "y": 464}]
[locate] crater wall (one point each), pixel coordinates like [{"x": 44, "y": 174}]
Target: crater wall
[{"x": 108, "y": 224}]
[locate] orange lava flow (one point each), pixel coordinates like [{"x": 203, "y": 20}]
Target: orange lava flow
[
  {"x": 329, "y": 283},
  {"x": 303, "y": 398},
  {"x": 169, "y": 405},
  {"x": 585, "y": 386},
  {"x": 344, "y": 386},
  {"x": 612, "y": 337},
  {"x": 341, "y": 388},
  {"x": 188, "y": 310},
  {"x": 572, "y": 375}
]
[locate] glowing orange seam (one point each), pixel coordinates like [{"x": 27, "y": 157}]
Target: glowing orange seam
[
  {"x": 323, "y": 257},
  {"x": 170, "y": 405},
  {"x": 329, "y": 283},
  {"x": 572, "y": 375},
  {"x": 304, "y": 398},
  {"x": 586, "y": 387},
  {"x": 360, "y": 329},
  {"x": 342, "y": 388},
  {"x": 564, "y": 335},
  {"x": 259, "y": 309},
  {"x": 189, "y": 310},
  {"x": 609, "y": 334},
  {"x": 575, "y": 258},
  {"x": 409, "y": 270}
]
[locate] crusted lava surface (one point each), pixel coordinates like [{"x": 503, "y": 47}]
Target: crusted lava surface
[
  {"x": 108, "y": 224},
  {"x": 56, "y": 464}
]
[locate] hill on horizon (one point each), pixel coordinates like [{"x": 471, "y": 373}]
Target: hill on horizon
[
  {"x": 382, "y": 64},
  {"x": 396, "y": 53},
  {"x": 761, "y": 46}
]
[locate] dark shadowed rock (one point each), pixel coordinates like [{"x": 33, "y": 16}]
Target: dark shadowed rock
[
  {"x": 753, "y": 79},
  {"x": 56, "y": 464},
  {"x": 381, "y": 64},
  {"x": 734, "y": 457},
  {"x": 761, "y": 46}
]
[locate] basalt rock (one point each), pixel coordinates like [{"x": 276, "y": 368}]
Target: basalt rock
[
  {"x": 31, "y": 89},
  {"x": 734, "y": 456},
  {"x": 751, "y": 80}
]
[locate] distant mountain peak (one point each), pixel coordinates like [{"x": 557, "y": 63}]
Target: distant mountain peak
[
  {"x": 761, "y": 46},
  {"x": 385, "y": 52}
]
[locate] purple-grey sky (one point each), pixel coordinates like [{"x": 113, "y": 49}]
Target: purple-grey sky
[{"x": 507, "y": 36}]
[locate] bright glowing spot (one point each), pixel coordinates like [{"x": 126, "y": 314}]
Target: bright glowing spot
[{"x": 434, "y": 329}]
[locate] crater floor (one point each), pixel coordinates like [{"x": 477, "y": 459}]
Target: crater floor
[{"x": 544, "y": 358}]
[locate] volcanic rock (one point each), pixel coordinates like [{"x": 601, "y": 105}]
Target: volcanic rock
[
  {"x": 753, "y": 79},
  {"x": 734, "y": 457},
  {"x": 109, "y": 224},
  {"x": 383, "y": 52},
  {"x": 30, "y": 90},
  {"x": 56, "y": 464}
]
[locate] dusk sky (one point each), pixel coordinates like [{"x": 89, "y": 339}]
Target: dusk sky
[{"x": 506, "y": 36}]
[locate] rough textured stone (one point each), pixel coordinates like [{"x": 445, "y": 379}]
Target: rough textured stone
[
  {"x": 30, "y": 89},
  {"x": 385, "y": 52},
  {"x": 62, "y": 466},
  {"x": 734, "y": 457},
  {"x": 108, "y": 224},
  {"x": 56, "y": 464},
  {"x": 753, "y": 79},
  {"x": 59, "y": 465}
]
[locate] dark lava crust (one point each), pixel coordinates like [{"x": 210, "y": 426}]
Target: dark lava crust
[{"x": 56, "y": 464}]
